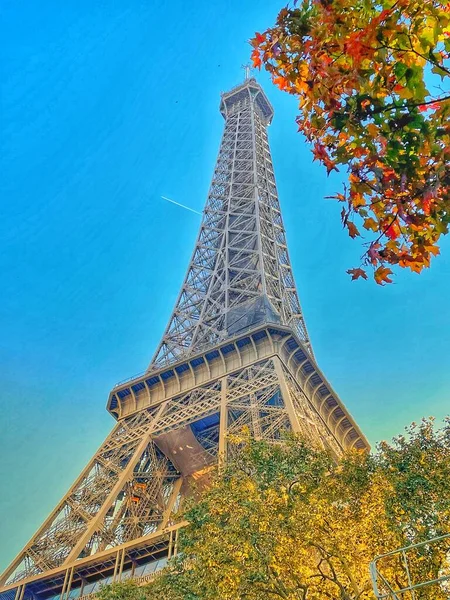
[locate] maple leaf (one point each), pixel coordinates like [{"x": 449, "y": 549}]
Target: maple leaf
[
  {"x": 427, "y": 201},
  {"x": 259, "y": 38},
  {"x": 433, "y": 250},
  {"x": 256, "y": 58},
  {"x": 388, "y": 175},
  {"x": 432, "y": 106},
  {"x": 405, "y": 260},
  {"x": 339, "y": 197},
  {"x": 416, "y": 267},
  {"x": 320, "y": 152},
  {"x": 393, "y": 231},
  {"x": 370, "y": 224},
  {"x": 373, "y": 253},
  {"x": 330, "y": 165},
  {"x": 426, "y": 205},
  {"x": 282, "y": 83},
  {"x": 358, "y": 152},
  {"x": 354, "y": 46},
  {"x": 357, "y": 200},
  {"x": 357, "y": 273},
  {"x": 381, "y": 275},
  {"x": 352, "y": 229}
]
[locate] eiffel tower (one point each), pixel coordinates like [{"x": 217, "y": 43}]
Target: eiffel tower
[{"x": 236, "y": 353}]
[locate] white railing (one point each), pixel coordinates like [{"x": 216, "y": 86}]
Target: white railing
[
  {"x": 387, "y": 590},
  {"x": 145, "y": 578}
]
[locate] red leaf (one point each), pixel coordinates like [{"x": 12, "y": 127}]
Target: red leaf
[
  {"x": 259, "y": 38},
  {"x": 426, "y": 203},
  {"x": 393, "y": 231},
  {"x": 357, "y": 273},
  {"x": 320, "y": 152},
  {"x": 432, "y": 106}
]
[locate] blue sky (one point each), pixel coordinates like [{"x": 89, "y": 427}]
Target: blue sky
[{"x": 106, "y": 106}]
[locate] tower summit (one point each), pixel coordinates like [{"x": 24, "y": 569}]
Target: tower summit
[
  {"x": 240, "y": 274},
  {"x": 236, "y": 353}
]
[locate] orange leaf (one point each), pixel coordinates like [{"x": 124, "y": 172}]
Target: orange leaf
[
  {"x": 256, "y": 58},
  {"x": 404, "y": 261},
  {"x": 357, "y": 200},
  {"x": 433, "y": 250},
  {"x": 301, "y": 85},
  {"x": 339, "y": 197},
  {"x": 416, "y": 267},
  {"x": 358, "y": 152},
  {"x": 372, "y": 129},
  {"x": 370, "y": 224},
  {"x": 352, "y": 229},
  {"x": 382, "y": 275},
  {"x": 281, "y": 82}
]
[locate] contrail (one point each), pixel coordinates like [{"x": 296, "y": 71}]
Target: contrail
[{"x": 182, "y": 205}]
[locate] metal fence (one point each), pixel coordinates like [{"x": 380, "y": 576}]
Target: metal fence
[{"x": 414, "y": 572}]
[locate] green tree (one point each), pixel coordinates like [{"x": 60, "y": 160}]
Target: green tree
[
  {"x": 127, "y": 590},
  {"x": 371, "y": 77},
  {"x": 289, "y": 521}
]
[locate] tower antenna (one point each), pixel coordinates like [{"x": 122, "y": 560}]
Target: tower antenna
[{"x": 247, "y": 69}]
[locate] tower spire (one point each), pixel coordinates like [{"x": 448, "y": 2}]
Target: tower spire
[
  {"x": 240, "y": 274},
  {"x": 247, "y": 69}
]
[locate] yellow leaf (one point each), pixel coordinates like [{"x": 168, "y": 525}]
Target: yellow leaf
[
  {"x": 370, "y": 224},
  {"x": 372, "y": 129}
]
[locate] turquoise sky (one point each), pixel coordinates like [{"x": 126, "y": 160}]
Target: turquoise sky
[{"x": 106, "y": 106}]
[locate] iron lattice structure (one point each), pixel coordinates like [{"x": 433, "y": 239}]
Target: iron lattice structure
[
  {"x": 235, "y": 353},
  {"x": 240, "y": 270}
]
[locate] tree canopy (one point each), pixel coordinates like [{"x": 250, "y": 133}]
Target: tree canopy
[
  {"x": 372, "y": 78},
  {"x": 290, "y": 521}
]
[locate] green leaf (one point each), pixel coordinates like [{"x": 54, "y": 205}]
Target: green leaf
[
  {"x": 340, "y": 120},
  {"x": 438, "y": 71},
  {"x": 400, "y": 69}
]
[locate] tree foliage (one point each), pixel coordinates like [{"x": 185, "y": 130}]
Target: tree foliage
[
  {"x": 288, "y": 521},
  {"x": 371, "y": 79}
]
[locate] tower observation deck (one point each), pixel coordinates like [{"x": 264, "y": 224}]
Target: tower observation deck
[{"x": 236, "y": 353}]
